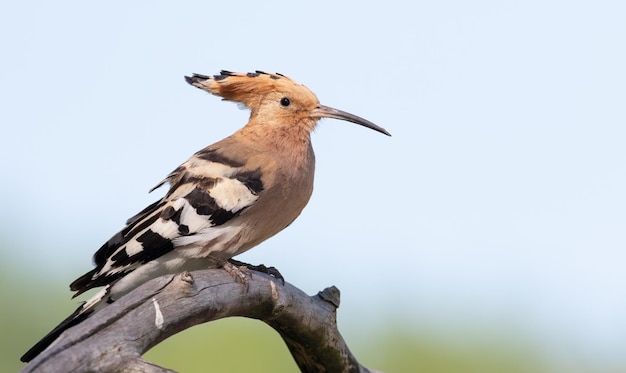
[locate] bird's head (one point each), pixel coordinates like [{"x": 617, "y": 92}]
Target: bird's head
[{"x": 274, "y": 99}]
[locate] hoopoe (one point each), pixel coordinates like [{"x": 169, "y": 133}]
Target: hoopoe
[{"x": 224, "y": 200}]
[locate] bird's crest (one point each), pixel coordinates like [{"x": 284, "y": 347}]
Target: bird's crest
[{"x": 246, "y": 88}]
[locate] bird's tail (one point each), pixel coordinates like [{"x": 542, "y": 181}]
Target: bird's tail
[{"x": 82, "y": 312}]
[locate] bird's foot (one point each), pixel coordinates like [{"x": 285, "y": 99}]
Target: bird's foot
[
  {"x": 272, "y": 271},
  {"x": 240, "y": 273}
]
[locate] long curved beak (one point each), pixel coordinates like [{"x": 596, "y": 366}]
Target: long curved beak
[{"x": 328, "y": 112}]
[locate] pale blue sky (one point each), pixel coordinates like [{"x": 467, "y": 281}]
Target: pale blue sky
[{"x": 499, "y": 200}]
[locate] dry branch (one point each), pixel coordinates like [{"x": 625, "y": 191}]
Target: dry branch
[{"x": 114, "y": 339}]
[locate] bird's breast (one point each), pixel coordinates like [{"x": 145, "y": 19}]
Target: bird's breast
[{"x": 287, "y": 188}]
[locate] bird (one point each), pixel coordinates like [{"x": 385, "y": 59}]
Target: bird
[{"x": 224, "y": 200}]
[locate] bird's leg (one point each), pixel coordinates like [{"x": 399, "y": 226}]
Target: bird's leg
[
  {"x": 272, "y": 271},
  {"x": 238, "y": 272}
]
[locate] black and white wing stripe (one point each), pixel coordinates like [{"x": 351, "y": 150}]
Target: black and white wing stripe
[{"x": 206, "y": 191}]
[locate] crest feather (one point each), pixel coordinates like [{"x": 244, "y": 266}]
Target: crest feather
[{"x": 246, "y": 88}]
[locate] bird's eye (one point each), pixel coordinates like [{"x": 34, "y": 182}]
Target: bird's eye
[{"x": 285, "y": 101}]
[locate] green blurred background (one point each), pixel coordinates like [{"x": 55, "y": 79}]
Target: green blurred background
[
  {"x": 243, "y": 345},
  {"x": 32, "y": 305}
]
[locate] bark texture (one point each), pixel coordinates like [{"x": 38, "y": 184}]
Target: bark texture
[{"x": 114, "y": 339}]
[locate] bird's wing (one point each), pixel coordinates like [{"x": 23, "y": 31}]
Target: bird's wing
[{"x": 206, "y": 191}]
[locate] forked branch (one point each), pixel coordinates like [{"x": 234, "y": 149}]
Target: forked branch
[{"x": 114, "y": 339}]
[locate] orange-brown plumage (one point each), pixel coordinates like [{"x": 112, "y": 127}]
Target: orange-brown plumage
[{"x": 224, "y": 200}]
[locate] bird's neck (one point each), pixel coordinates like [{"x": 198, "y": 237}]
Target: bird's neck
[{"x": 292, "y": 143}]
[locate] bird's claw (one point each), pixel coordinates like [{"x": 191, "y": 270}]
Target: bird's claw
[
  {"x": 272, "y": 271},
  {"x": 240, "y": 273}
]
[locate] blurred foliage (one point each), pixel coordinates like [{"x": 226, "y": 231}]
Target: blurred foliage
[
  {"x": 230, "y": 345},
  {"x": 32, "y": 305}
]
